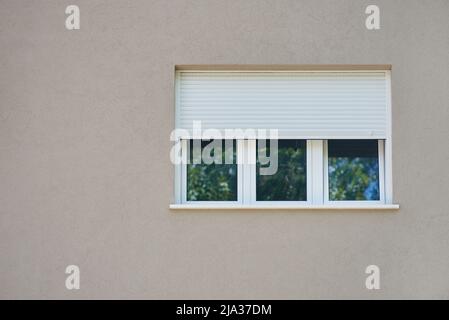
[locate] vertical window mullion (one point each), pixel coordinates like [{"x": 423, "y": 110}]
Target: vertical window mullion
[
  {"x": 178, "y": 151},
  {"x": 316, "y": 169},
  {"x": 248, "y": 171},
  {"x": 325, "y": 173},
  {"x": 381, "y": 156},
  {"x": 240, "y": 171},
  {"x": 185, "y": 157},
  {"x": 388, "y": 175},
  {"x": 252, "y": 168}
]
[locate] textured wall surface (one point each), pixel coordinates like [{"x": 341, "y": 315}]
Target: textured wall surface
[{"x": 85, "y": 175}]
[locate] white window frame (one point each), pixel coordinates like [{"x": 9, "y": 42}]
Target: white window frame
[
  {"x": 317, "y": 173},
  {"x": 246, "y": 178},
  {"x": 253, "y": 182},
  {"x": 183, "y": 185},
  {"x": 381, "y": 160},
  {"x": 317, "y": 178}
]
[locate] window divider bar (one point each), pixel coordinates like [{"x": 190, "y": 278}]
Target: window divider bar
[
  {"x": 249, "y": 170},
  {"x": 241, "y": 171},
  {"x": 183, "y": 169},
  {"x": 381, "y": 159},
  {"x": 316, "y": 171}
]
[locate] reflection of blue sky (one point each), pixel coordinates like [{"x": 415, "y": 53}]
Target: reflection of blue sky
[{"x": 372, "y": 191}]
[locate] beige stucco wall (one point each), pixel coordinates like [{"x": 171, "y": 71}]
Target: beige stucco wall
[{"x": 85, "y": 175}]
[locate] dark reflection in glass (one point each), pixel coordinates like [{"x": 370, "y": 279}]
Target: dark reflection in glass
[
  {"x": 289, "y": 182},
  {"x": 353, "y": 170},
  {"x": 212, "y": 182}
]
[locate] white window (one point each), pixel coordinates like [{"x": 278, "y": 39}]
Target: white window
[{"x": 332, "y": 148}]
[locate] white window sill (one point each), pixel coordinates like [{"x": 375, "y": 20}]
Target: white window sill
[{"x": 284, "y": 207}]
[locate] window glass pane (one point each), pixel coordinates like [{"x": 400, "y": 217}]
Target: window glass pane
[
  {"x": 289, "y": 182},
  {"x": 208, "y": 181},
  {"x": 353, "y": 170}
]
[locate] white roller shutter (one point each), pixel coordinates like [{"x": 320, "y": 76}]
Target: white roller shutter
[{"x": 318, "y": 105}]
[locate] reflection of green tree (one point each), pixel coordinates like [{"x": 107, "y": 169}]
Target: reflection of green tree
[
  {"x": 212, "y": 182},
  {"x": 353, "y": 178},
  {"x": 289, "y": 182}
]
